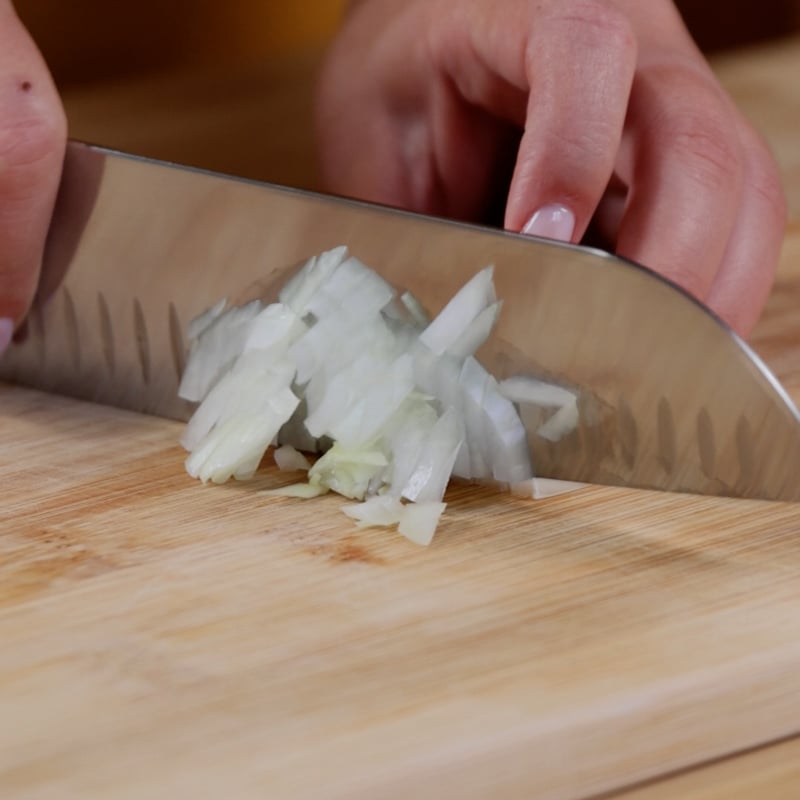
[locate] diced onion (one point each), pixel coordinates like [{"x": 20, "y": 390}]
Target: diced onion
[
  {"x": 419, "y": 521},
  {"x": 522, "y": 389},
  {"x": 416, "y": 521},
  {"x": 542, "y": 488},
  {"x": 290, "y": 459},
  {"x": 393, "y": 402}
]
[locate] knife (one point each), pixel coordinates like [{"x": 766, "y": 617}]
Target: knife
[{"x": 669, "y": 397}]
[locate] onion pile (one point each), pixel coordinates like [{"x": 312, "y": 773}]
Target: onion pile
[{"x": 392, "y": 402}]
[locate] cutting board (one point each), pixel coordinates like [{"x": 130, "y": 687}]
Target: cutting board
[{"x": 167, "y": 639}]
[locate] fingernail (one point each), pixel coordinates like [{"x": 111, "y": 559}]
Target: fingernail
[
  {"x": 6, "y": 333},
  {"x": 551, "y": 222}
]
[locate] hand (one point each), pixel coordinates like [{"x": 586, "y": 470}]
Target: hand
[
  {"x": 614, "y": 122},
  {"x": 33, "y": 134}
]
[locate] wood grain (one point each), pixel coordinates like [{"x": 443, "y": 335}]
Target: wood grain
[
  {"x": 163, "y": 639},
  {"x": 771, "y": 772},
  {"x": 217, "y": 641}
]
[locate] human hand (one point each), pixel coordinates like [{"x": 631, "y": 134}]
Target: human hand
[
  {"x": 610, "y": 117},
  {"x": 33, "y": 132}
]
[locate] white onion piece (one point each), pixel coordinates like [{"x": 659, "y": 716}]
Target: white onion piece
[
  {"x": 416, "y": 521},
  {"x": 434, "y": 465},
  {"x": 243, "y": 390},
  {"x": 381, "y": 398},
  {"x": 403, "y": 331},
  {"x": 290, "y": 459},
  {"x": 337, "y": 340},
  {"x": 476, "y": 333},
  {"x": 509, "y": 452},
  {"x": 300, "y": 288},
  {"x": 353, "y": 288},
  {"x": 379, "y": 511},
  {"x": 405, "y": 435},
  {"x": 215, "y": 350},
  {"x": 522, "y": 389},
  {"x": 349, "y": 472},
  {"x": 245, "y": 470},
  {"x": 242, "y": 438},
  {"x": 417, "y": 313},
  {"x": 202, "y": 321},
  {"x": 542, "y": 488},
  {"x": 473, "y": 380},
  {"x": 451, "y": 322},
  {"x": 275, "y": 326},
  {"x": 420, "y": 520},
  {"x": 341, "y": 393},
  {"x": 564, "y": 421}
]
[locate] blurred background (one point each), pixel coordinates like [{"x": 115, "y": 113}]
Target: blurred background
[
  {"x": 91, "y": 40},
  {"x": 227, "y": 85}
]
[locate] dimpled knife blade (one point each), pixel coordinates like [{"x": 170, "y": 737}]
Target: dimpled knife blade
[{"x": 669, "y": 397}]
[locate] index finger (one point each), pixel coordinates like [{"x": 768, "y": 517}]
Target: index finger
[{"x": 32, "y": 142}]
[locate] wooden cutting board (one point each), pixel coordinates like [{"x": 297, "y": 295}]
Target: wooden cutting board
[{"x": 164, "y": 639}]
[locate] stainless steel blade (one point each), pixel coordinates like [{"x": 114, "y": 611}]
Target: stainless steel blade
[{"x": 670, "y": 398}]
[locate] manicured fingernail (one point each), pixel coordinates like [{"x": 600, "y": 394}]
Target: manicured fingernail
[
  {"x": 6, "y": 333},
  {"x": 551, "y": 222}
]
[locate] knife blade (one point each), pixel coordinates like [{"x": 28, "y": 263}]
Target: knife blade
[{"x": 669, "y": 397}]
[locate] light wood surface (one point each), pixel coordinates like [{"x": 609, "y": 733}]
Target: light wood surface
[
  {"x": 771, "y": 773},
  {"x": 162, "y": 639},
  {"x": 160, "y": 632}
]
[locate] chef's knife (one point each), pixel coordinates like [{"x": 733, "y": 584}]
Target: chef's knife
[{"x": 669, "y": 397}]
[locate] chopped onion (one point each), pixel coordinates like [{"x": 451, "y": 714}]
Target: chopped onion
[
  {"x": 522, "y": 389},
  {"x": 456, "y": 317},
  {"x": 415, "y": 310},
  {"x": 541, "y": 488},
  {"x": 394, "y": 403},
  {"x": 200, "y": 323},
  {"x": 301, "y": 287},
  {"x": 241, "y": 439},
  {"x": 290, "y": 459},
  {"x": 218, "y": 344},
  {"x": 382, "y": 510},
  {"x": 350, "y": 473},
  {"x": 276, "y": 326},
  {"x": 434, "y": 464},
  {"x": 417, "y": 521}
]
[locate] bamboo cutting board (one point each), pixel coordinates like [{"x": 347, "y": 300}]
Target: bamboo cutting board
[
  {"x": 163, "y": 639},
  {"x": 166, "y": 639}
]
